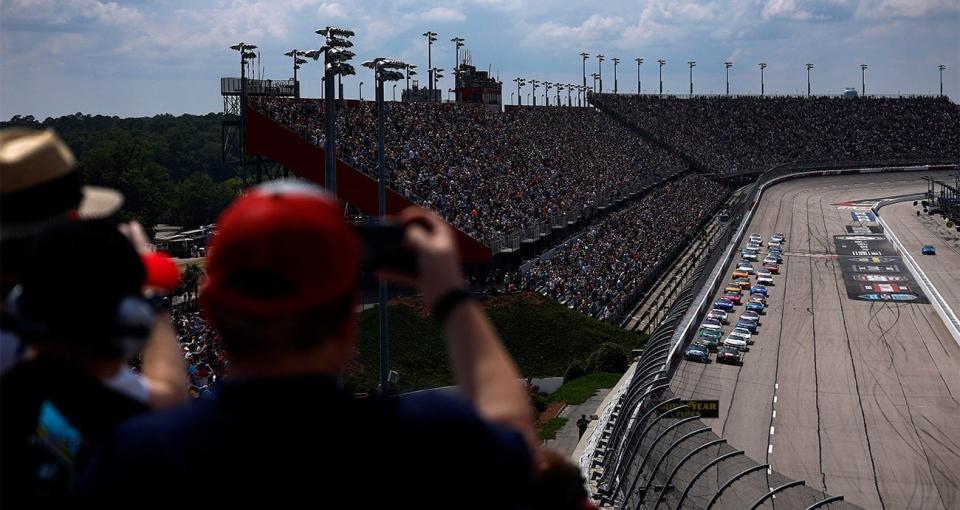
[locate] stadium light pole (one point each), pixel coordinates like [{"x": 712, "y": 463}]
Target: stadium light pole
[
  {"x": 728, "y": 65},
  {"x": 692, "y": 64},
  {"x": 360, "y": 88},
  {"x": 570, "y": 87},
  {"x": 616, "y": 62},
  {"x": 335, "y": 58},
  {"x": 431, "y": 37},
  {"x": 520, "y": 83},
  {"x": 941, "y": 67},
  {"x": 394, "y": 92},
  {"x": 436, "y": 74},
  {"x": 809, "y": 67},
  {"x": 410, "y": 72},
  {"x": 662, "y": 62},
  {"x": 458, "y": 43},
  {"x": 584, "y": 56},
  {"x": 546, "y": 93},
  {"x": 534, "y": 84},
  {"x": 600, "y": 72},
  {"x": 384, "y": 70},
  {"x": 863, "y": 79},
  {"x": 245, "y": 55},
  {"x": 559, "y": 87},
  {"x": 297, "y": 62},
  {"x": 639, "y": 61},
  {"x": 594, "y": 76},
  {"x": 763, "y": 65}
]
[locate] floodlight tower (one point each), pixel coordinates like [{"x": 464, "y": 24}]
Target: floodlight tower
[
  {"x": 692, "y": 64},
  {"x": 559, "y": 88},
  {"x": 246, "y": 53},
  {"x": 639, "y": 62},
  {"x": 616, "y": 62},
  {"x": 384, "y": 70},
  {"x": 431, "y": 38},
  {"x": 863, "y": 79},
  {"x": 584, "y": 56},
  {"x": 520, "y": 83},
  {"x": 762, "y": 65},
  {"x": 600, "y": 72},
  {"x": 297, "y": 63},
  {"x": 941, "y": 67},
  {"x": 534, "y": 84},
  {"x": 809, "y": 67},
  {"x": 336, "y": 59},
  {"x": 458, "y": 43},
  {"x": 728, "y": 65},
  {"x": 435, "y": 74},
  {"x": 410, "y": 72},
  {"x": 662, "y": 63},
  {"x": 546, "y": 93}
]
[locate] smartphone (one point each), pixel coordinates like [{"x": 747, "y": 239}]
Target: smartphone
[{"x": 382, "y": 248}]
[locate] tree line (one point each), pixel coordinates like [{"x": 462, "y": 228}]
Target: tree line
[{"x": 168, "y": 167}]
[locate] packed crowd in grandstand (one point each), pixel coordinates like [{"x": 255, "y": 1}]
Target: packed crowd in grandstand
[
  {"x": 600, "y": 271},
  {"x": 487, "y": 172},
  {"x": 202, "y": 351},
  {"x": 730, "y": 135}
]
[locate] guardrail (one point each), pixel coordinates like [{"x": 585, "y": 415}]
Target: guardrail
[{"x": 640, "y": 454}]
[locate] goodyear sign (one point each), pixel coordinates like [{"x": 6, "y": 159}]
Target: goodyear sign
[{"x": 695, "y": 408}]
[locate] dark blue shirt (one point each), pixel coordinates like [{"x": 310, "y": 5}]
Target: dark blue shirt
[{"x": 303, "y": 442}]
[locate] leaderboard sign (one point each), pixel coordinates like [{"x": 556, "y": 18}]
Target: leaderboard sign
[{"x": 873, "y": 270}]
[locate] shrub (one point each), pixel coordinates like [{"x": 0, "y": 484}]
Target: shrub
[
  {"x": 576, "y": 369},
  {"x": 609, "y": 357}
]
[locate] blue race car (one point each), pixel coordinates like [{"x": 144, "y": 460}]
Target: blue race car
[
  {"x": 722, "y": 304},
  {"x": 758, "y": 289},
  {"x": 928, "y": 250},
  {"x": 755, "y": 307},
  {"x": 697, "y": 352},
  {"x": 747, "y": 325}
]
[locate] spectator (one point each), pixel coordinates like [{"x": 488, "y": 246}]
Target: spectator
[
  {"x": 744, "y": 134},
  {"x": 39, "y": 185},
  {"x": 582, "y": 424},
  {"x": 488, "y": 173},
  {"x": 281, "y": 291},
  {"x": 600, "y": 272},
  {"x": 81, "y": 312}
]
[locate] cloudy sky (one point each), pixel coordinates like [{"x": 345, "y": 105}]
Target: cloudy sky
[{"x": 142, "y": 57}]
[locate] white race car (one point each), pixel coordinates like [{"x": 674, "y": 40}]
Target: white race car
[
  {"x": 735, "y": 342},
  {"x": 741, "y": 333},
  {"x": 765, "y": 280}
]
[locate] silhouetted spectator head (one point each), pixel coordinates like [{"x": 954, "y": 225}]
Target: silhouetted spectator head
[
  {"x": 39, "y": 185},
  {"x": 282, "y": 275},
  {"x": 81, "y": 295}
]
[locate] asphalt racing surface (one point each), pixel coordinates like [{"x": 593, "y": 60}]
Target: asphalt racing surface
[{"x": 857, "y": 398}]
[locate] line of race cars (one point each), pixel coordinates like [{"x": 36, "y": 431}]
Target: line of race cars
[{"x": 710, "y": 336}]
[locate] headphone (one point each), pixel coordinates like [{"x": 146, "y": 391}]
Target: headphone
[{"x": 133, "y": 320}]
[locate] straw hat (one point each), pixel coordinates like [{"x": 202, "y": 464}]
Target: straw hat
[{"x": 39, "y": 184}]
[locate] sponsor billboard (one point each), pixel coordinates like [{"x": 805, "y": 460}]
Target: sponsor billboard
[
  {"x": 873, "y": 270},
  {"x": 695, "y": 408}
]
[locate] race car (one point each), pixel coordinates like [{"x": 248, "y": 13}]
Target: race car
[
  {"x": 756, "y": 238},
  {"x": 772, "y": 267},
  {"x": 733, "y": 288},
  {"x": 723, "y": 304},
  {"x": 718, "y": 315},
  {"x": 753, "y": 246},
  {"x": 749, "y": 315},
  {"x": 755, "y": 307},
  {"x": 729, "y": 355},
  {"x": 735, "y": 342},
  {"x": 742, "y": 283},
  {"x": 772, "y": 259},
  {"x": 763, "y": 272},
  {"x": 740, "y": 274},
  {"x": 747, "y": 324},
  {"x": 928, "y": 250},
  {"x": 758, "y": 289},
  {"x": 774, "y": 245},
  {"x": 709, "y": 338},
  {"x": 778, "y": 237},
  {"x": 742, "y": 333},
  {"x": 748, "y": 254},
  {"x": 765, "y": 280},
  {"x": 711, "y": 324},
  {"x": 697, "y": 352},
  {"x": 733, "y": 298},
  {"x": 757, "y": 298}
]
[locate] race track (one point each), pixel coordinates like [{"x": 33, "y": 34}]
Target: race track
[{"x": 857, "y": 398}]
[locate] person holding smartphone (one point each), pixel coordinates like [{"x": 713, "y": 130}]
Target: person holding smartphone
[{"x": 282, "y": 293}]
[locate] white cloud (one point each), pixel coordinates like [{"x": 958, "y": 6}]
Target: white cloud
[
  {"x": 332, "y": 10},
  {"x": 61, "y": 12},
  {"x": 907, "y": 8},
  {"x": 553, "y": 34},
  {"x": 441, "y": 14}
]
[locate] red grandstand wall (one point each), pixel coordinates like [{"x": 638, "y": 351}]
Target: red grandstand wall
[{"x": 267, "y": 138}]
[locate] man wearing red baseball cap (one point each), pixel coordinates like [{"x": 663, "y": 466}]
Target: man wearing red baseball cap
[{"x": 282, "y": 290}]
